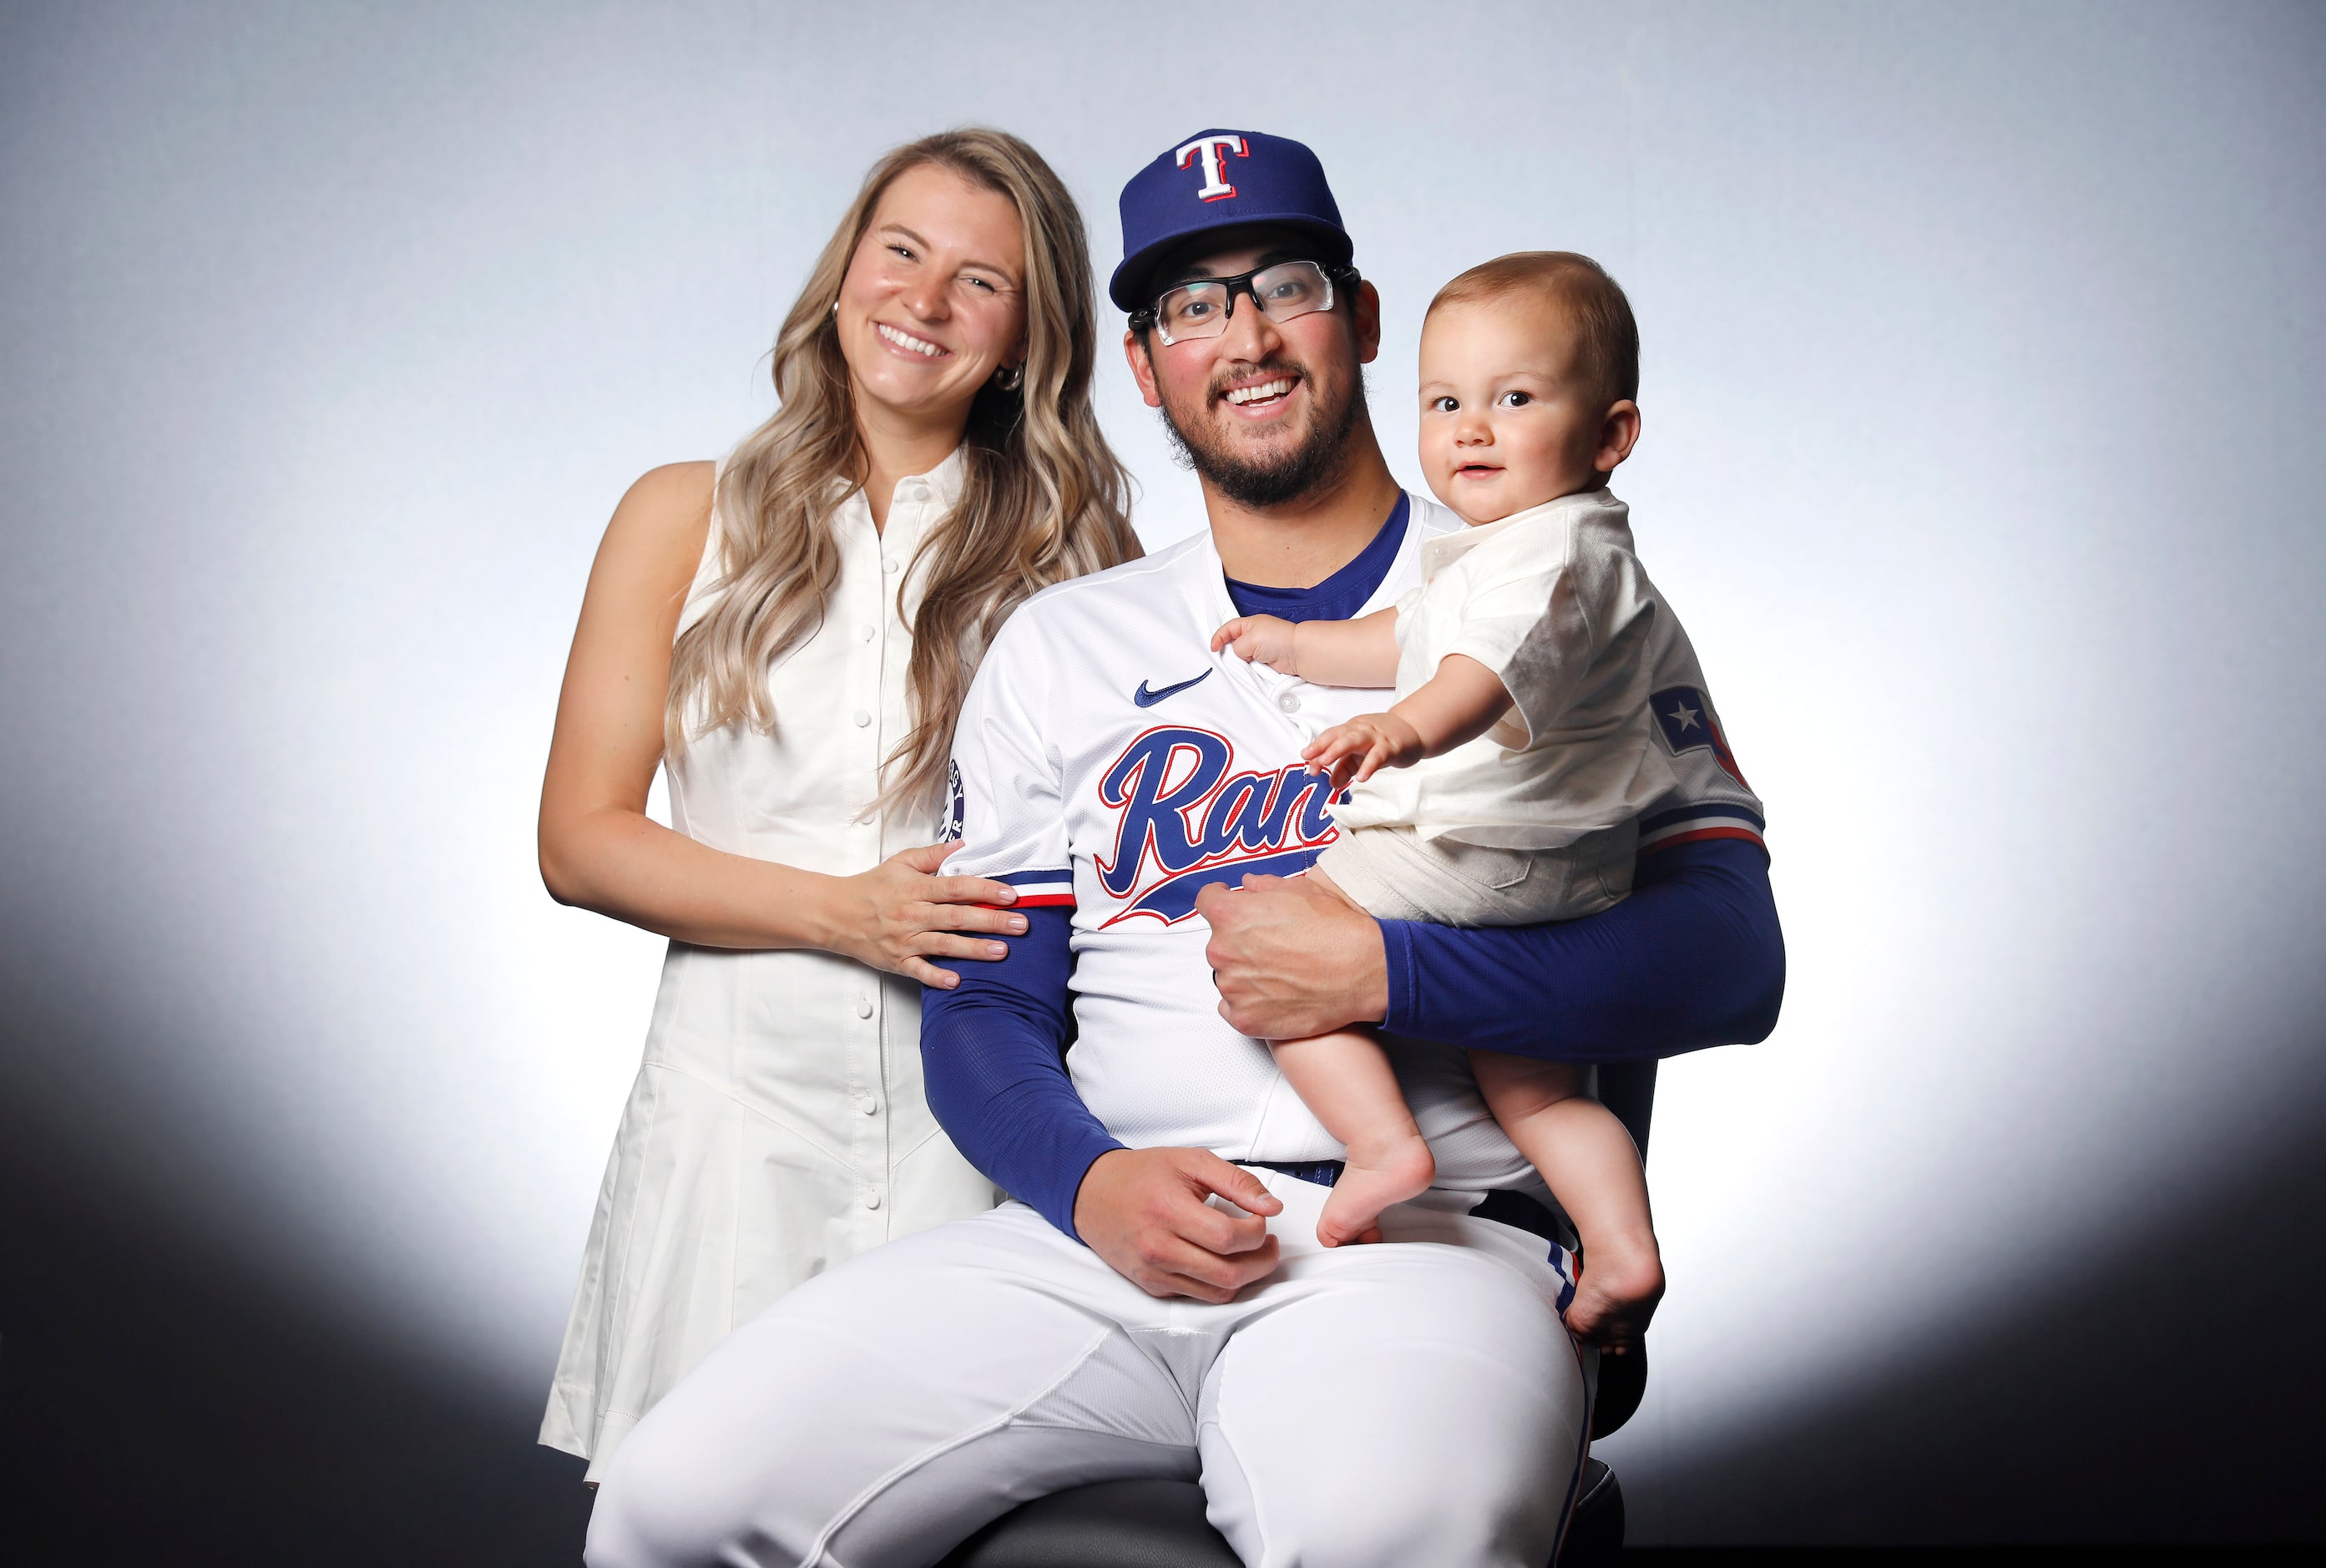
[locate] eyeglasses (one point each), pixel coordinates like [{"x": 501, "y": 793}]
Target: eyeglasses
[{"x": 1201, "y": 308}]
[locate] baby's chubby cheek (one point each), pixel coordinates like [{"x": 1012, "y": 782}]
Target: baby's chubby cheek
[{"x": 1438, "y": 463}]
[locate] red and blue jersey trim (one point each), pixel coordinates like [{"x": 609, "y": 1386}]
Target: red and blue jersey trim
[
  {"x": 1694, "y": 824},
  {"x": 1040, "y": 890},
  {"x": 1569, "y": 1269}
]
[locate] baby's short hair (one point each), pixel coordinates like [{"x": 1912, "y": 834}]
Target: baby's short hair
[{"x": 1607, "y": 340}]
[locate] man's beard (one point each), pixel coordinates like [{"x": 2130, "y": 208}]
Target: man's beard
[{"x": 1280, "y": 477}]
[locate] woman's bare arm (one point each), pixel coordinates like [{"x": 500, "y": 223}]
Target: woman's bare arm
[{"x": 600, "y": 850}]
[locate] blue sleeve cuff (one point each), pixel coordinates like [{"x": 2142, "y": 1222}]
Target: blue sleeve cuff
[{"x": 1694, "y": 957}]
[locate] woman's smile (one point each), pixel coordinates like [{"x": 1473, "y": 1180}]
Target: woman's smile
[{"x": 908, "y": 346}]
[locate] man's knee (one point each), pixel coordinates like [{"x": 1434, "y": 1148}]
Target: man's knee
[
  {"x": 1431, "y": 1414},
  {"x": 647, "y": 1514},
  {"x": 668, "y": 1502},
  {"x": 1346, "y": 1513}
]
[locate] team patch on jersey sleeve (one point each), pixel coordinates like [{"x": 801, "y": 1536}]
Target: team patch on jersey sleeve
[
  {"x": 1693, "y": 824},
  {"x": 1686, "y": 720},
  {"x": 1039, "y": 890}
]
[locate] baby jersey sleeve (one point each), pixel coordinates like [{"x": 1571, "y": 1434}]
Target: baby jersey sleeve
[{"x": 1539, "y": 607}]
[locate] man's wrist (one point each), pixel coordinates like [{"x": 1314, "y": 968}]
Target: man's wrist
[
  {"x": 1101, "y": 1147},
  {"x": 1367, "y": 990},
  {"x": 1398, "y": 988}
]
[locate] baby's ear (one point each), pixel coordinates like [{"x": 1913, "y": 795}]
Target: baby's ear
[{"x": 1618, "y": 434}]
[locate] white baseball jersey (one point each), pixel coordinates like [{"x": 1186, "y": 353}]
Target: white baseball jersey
[{"x": 1106, "y": 759}]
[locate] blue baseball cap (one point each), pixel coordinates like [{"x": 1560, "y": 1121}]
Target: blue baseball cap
[{"x": 1221, "y": 179}]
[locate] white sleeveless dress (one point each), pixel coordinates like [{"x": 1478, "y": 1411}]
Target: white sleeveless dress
[{"x": 777, "y": 1125}]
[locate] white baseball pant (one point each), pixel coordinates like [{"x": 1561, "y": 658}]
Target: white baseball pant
[{"x": 1417, "y": 1401}]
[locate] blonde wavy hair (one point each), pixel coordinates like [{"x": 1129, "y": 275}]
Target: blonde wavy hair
[{"x": 1043, "y": 498}]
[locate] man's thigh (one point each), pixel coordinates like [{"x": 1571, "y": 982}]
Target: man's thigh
[
  {"x": 1417, "y": 1402},
  {"x": 882, "y": 1412}
]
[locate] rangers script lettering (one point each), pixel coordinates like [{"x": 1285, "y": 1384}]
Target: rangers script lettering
[{"x": 1183, "y": 812}]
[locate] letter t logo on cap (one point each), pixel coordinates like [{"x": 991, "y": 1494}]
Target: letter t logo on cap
[{"x": 1216, "y": 181}]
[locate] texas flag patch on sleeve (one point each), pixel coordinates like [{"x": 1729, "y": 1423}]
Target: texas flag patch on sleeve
[{"x": 1688, "y": 725}]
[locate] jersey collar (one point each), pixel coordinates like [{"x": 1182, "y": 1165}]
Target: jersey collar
[{"x": 1339, "y": 596}]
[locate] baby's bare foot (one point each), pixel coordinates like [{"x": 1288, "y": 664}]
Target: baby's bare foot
[
  {"x": 1623, "y": 1280},
  {"x": 1372, "y": 1180}
]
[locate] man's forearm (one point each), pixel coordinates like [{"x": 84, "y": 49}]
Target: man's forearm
[
  {"x": 993, "y": 1066},
  {"x": 1694, "y": 957}
]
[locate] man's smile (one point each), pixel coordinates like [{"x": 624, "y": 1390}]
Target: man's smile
[{"x": 1260, "y": 393}]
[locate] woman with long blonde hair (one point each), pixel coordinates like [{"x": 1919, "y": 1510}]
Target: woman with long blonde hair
[{"x": 789, "y": 634}]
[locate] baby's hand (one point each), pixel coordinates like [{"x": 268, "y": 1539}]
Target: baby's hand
[
  {"x": 1261, "y": 639},
  {"x": 1353, "y": 753}
]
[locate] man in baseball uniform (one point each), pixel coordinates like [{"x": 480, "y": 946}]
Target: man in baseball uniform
[{"x": 1153, "y": 1302}]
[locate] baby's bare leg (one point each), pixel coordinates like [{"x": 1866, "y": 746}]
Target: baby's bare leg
[
  {"x": 1344, "y": 1078},
  {"x": 1587, "y": 1158}
]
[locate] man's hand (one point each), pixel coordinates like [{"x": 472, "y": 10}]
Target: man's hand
[
  {"x": 1293, "y": 958},
  {"x": 1143, "y": 1210}
]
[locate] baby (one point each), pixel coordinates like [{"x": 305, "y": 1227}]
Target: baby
[{"x": 1520, "y": 737}]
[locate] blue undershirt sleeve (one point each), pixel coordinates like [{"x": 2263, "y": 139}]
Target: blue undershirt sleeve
[
  {"x": 1693, "y": 958},
  {"x": 993, "y": 1064}
]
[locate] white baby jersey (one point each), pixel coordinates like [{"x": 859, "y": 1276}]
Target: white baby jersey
[
  {"x": 1108, "y": 761},
  {"x": 1555, "y": 601}
]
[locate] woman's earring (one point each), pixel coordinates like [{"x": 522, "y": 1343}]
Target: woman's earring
[{"x": 1008, "y": 375}]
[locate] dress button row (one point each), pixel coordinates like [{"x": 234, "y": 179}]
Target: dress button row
[
  {"x": 871, "y": 1200},
  {"x": 862, "y": 718},
  {"x": 863, "y": 1006},
  {"x": 889, "y": 565},
  {"x": 868, "y": 1104},
  {"x": 865, "y": 633}
]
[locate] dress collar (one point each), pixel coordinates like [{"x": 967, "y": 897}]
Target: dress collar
[
  {"x": 948, "y": 478},
  {"x": 928, "y": 496}
]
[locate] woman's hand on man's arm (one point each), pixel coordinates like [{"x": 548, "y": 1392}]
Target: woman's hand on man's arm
[
  {"x": 900, "y": 914},
  {"x": 599, "y": 848}
]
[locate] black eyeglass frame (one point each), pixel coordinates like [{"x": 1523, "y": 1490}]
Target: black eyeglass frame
[{"x": 1337, "y": 275}]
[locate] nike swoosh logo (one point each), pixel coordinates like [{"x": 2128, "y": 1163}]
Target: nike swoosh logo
[{"x": 1148, "y": 699}]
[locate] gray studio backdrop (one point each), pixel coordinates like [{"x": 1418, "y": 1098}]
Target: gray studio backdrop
[{"x": 1982, "y": 375}]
